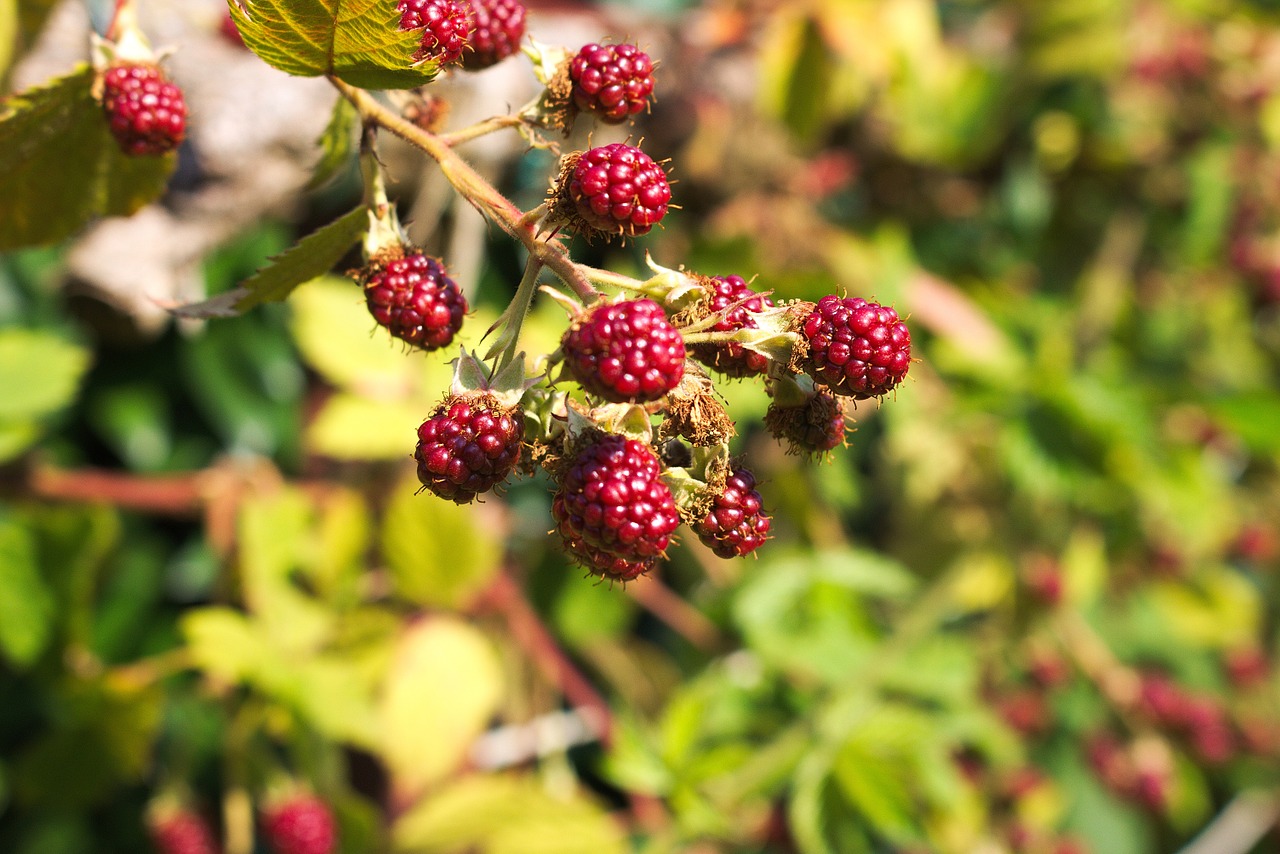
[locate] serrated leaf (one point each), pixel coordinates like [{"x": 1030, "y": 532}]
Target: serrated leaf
[
  {"x": 309, "y": 258},
  {"x": 337, "y": 143},
  {"x": 438, "y": 552},
  {"x": 358, "y": 41},
  {"x": 39, "y": 373},
  {"x": 61, "y": 166},
  {"x": 26, "y": 604},
  {"x": 444, "y": 684}
]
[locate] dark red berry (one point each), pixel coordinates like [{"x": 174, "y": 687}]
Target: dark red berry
[
  {"x": 625, "y": 352},
  {"x": 468, "y": 446},
  {"x": 612, "y": 81},
  {"x": 731, "y": 358},
  {"x": 618, "y": 189},
  {"x": 1042, "y": 578},
  {"x": 736, "y": 524},
  {"x": 301, "y": 825},
  {"x": 815, "y": 427},
  {"x": 605, "y": 564},
  {"x": 444, "y": 27},
  {"x": 611, "y": 498},
  {"x": 181, "y": 831},
  {"x": 146, "y": 113},
  {"x": 415, "y": 299},
  {"x": 858, "y": 348},
  {"x": 495, "y": 28}
]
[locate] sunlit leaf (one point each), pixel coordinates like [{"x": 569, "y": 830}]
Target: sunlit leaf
[{"x": 39, "y": 373}]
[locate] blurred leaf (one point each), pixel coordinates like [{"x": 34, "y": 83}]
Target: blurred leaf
[
  {"x": 1219, "y": 608},
  {"x": 585, "y": 613},
  {"x": 1190, "y": 800},
  {"x": 1252, "y": 417},
  {"x": 8, "y": 33},
  {"x": 32, "y": 15},
  {"x": 225, "y": 643},
  {"x": 349, "y": 427},
  {"x": 26, "y": 604},
  {"x": 808, "y": 81},
  {"x": 337, "y": 143},
  {"x": 39, "y": 372},
  {"x": 1103, "y": 821},
  {"x": 359, "y": 41},
  {"x": 439, "y": 552},
  {"x": 1084, "y": 567},
  {"x": 312, "y": 256},
  {"x": 340, "y": 543},
  {"x": 335, "y": 333},
  {"x": 506, "y": 815},
  {"x": 1210, "y": 204},
  {"x": 335, "y": 695},
  {"x": 876, "y": 786},
  {"x": 62, "y": 167},
  {"x": 444, "y": 684}
]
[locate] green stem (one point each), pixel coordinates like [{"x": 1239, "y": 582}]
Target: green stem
[
  {"x": 709, "y": 337},
  {"x": 471, "y": 186},
  {"x": 610, "y": 278},
  {"x": 513, "y": 318}
]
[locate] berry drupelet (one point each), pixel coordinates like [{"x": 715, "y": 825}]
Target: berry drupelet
[
  {"x": 414, "y": 298},
  {"x": 468, "y": 446},
  {"x": 858, "y": 348},
  {"x": 625, "y": 352}
]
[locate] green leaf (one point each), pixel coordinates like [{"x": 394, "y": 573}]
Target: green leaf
[
  {"x": 26, "y": 604},
  {"x": 337, "y": 143},
  {"x": 444, "y": 684},
  {"x": 332, "y": 329},
  {"x": 1251, "y": 417},
  {"x": 439, "y": 552},
  {"x": 358, "y": 41},
  {"x": 224, "y": 643},
  {"x": 62, "y": 167},
  {"x": 876, "y": 786},
  {"x": 349, "y": 427},
  {"x": 8, "y": 33},
  {"x": 39, "y": 373},
  {"x": 506, "y": 815},
  {"x": 309, "y": 258}
]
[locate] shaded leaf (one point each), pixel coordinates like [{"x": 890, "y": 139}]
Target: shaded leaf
[
  {"x": 26, "y": 604},
  {"x": 337, "y": 143}
]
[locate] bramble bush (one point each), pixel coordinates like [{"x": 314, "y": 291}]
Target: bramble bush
[{"x": 848, "y": 426}]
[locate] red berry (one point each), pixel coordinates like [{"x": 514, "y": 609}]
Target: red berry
[
  {"x": 611, "y": 499},
  {"x": 736, "y": 524},
  {"x": 1161, "y": 700},
  {"x": 858, "y": 348},
  {"x": 146, "y": 113},
  {"x": 603, "y": 563},
  {"x": 612, "y": 81},
  {"x": 301, "y": 825},
  {"x": 181, "y": 831},
  {"x": 468, "y": 446},
  {"x": 731, "y": 358},
  {"x": 1247, "y": 666},
  {"x": 625, "y": 352},
  {"x": 815, "y": 427},
  {"x": 444, "y": 27},
  {"x": 415, "y": 299},
  {"x": 494, "y": 31},
  {"x": 618, "y": 189}
]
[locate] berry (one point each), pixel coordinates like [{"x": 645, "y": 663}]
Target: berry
[
  {"x": 494, "y": 31},
  {"x": 228, "y": 30},
  {"x": 735, "y": 525},
  {"x": 146, "y": 113},
  {"x": 814, "y": 428},
  {"x": 625, "y": 352},
  {"x": 415, "y": 299},
  {"x": 618, "y": 189},
  {"x": 731, "y": 358},
  {"x": 612, "y": 81},
  {"x": 611, "y": 499},
  {"x": 181, "y": 831},
  {"x": 602, "y": 563},
  {"x": 468, "y": 446},
  {"x": 444, "y": 28},
  {"x": 301, "y": 825},
  {"x": 858, "y": 348}
]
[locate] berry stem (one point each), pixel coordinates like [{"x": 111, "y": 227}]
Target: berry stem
[
  {"x": 472, "y": 187},
  {"x": 612, "y": 279},
  {"x": 480, "y": 129},
  {"x": 512, "y": 319}
]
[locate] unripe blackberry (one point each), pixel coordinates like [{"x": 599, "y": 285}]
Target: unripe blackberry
[
  {"x": 605, "y": 564},
  {"x": 736, "y": 525},
  {"x": 816, "y": 427},
  {"x": 303, "y": 824},
  {"x": 624, "y": 352},
  {"x": 181, "y": 831},
  {"x": 857, "y": 348},
  {"x": 145, "y": 112},
  {"x": 732, "y": 359},
  {"x": 494, "y": 30},
  {"x": 611, "y": 498},
  {"x": 615, "y": 189},
  {"x": 468, "y": 446},
  {"x": 414, "y": 298},
  {"x": 612, "y": 81},
  {"x": 444, "y": 27}
]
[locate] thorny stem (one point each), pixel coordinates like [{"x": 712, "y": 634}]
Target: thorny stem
[{"x": 472, "y": 187}]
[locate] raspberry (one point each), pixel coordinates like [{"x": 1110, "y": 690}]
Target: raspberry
[
  {"x": 494, "y": 31},
  {"x": 181, "y": 831},
  {"x": 612, "y": 81},
  {"x": 625, "y": 352},
  {"x": 468, "y": 446},
  {"x": 618, "y": 189},
  {"x": 730, "y": 358},
  {"x": 858, "y": 348},
  {"x": 612, "y": 504},
  {"x": 146, "y": 113},
  {"x": 415, "y": 299},
  {"x": 301, "y": 825},
  {"x": 814, "y": 428},
  {"x": 735, "y": 525},
  {"x": 444, "y": 28}
]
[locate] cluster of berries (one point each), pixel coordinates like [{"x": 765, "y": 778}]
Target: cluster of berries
[
  {"x": 473, "y": 33},
  {"x": 298, "y": 824}
]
